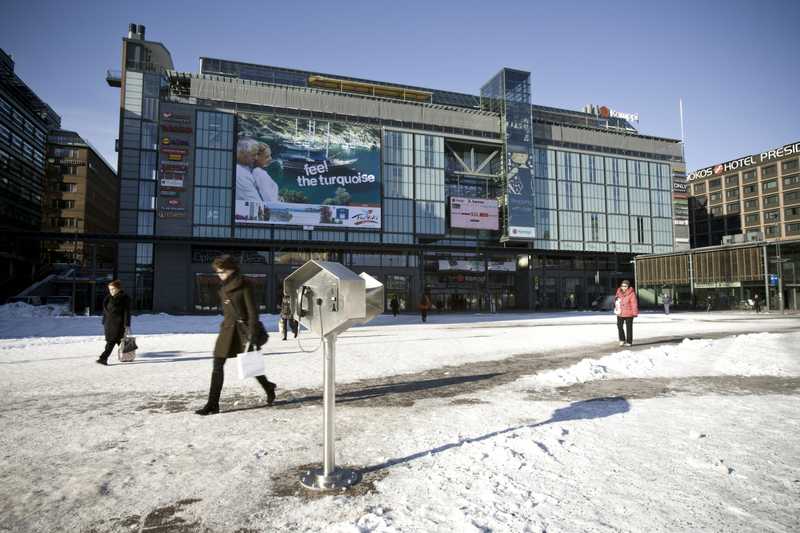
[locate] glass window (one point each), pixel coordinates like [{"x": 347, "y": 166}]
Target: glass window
[
  {"x": 545, "y": 193},
  {"x": 791, "y": 181},
  {"x": 732, "y": 181},
  {"x": 715, "y": 184},
  {"x": 662, "y": 231},
  {"x": 790, "y": 166},
  {"x": 769, "y": 186},
  {"x": 792, "y": 228},
  {"x": 731, "y": 194},
  {"x": 772, "y": 216},
  {"x": 641, "y": 230},
  {"x": 147, "y": 166},
  {"x": 752, "y": 219},
  {"x": 749, "y": 176},
  {"x": 429, "y": 151},
  {"x": 750, "y": 189},
  {"x": 715, "y": 197},
  {"x": 213, "y": 168},
  {"x": 214, "y": 130},
  {"x": 617, "y": 200},
  {"x": 430, "y": 184},
  {"x": 619, "y": 229},
  {"x": 147, "y": 195},
  {"x": 397, "y": 148},
  {"x": 398, "y": 215},
  {"x": 570, "y": 226},
  {"x": 640, "y": 202},
  {"x": 751, "y": 204},
  {"x": 791, "y": 197},
  {"x": 661, "y": 203},
  {"x": 593, "y": 169},
  {"x": 569, "y": 195},
  {"x": 547, "y": 224},
  {"x": 149, "y": 136},
  {"x": 771, "y": 201},
  {"x": 732, "y": 207},
  {"x": 569, "y": 166},
  {"x": 772, "y": 231},
  {"x": 212, "y": 206},
  {"x": 616, "y": 171},
  {"x": 594, "y": 197},
  {"x": 144, "y": 224},
  {"x": 638, "y": 174},
  {"x": 398, "y": 181},
  {"x": 791, "y": 213},
  {"x": 716, "y": 211},
  {"x": 769, "y": 171},
  {"x": 150, "y": 109},
  {"x": 430, "y": 217},
  {"x": 144, "y": 253},
  {"x": 595, "y": 224}
]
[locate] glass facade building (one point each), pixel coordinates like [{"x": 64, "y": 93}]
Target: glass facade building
[{"x": 592, "y": 194}]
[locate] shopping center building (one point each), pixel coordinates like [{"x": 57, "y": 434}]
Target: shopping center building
[{"x": 484, "y": 201}]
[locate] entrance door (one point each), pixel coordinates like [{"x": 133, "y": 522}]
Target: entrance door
[{"x": 397, "y": 287}]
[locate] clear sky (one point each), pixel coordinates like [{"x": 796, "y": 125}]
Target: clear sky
[{"x": 735, "y": 63}]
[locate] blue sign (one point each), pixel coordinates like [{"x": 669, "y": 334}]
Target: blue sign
[{"x": 773, "y": 279}]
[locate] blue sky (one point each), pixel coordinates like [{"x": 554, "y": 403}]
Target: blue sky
[{"x": 734, "y": 62}]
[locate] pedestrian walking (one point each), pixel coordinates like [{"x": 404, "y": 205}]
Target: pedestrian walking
[
  {"x": 237, "y": 331},
  {"x": 287, "y": 319},
  {"x": 116, "y": 318},
  {"x": 626, "y": 307},
  {"x": 394, "y": 305},
  {"x": 757, "y": 303},
  {"x": 708, "y": 303},
  {"x": 667, "y": 302},
  {"x": 424, "y": 307}
]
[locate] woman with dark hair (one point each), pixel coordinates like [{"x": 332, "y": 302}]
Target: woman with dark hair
[
  {"x": 116, "y": 318},
  {"x": 626, "y": 307},
  {"x": 238, "y": 305}
]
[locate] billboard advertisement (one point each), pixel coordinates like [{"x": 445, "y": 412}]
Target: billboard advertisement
[
  {"x": 307, "y": 172},
  {"x": 474, "y": 213}
]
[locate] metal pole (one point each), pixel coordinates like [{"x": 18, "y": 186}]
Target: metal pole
[
  {"x": 779, "y": 261},
  {"x": 766, "y": 278},
  {"x": 329, "y": 477},
  {"x": 691, "y": 281},
  {"x": 329, "y": 404}
]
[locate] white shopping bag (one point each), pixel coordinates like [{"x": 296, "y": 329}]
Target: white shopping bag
[{"x": 250, "y": 364}]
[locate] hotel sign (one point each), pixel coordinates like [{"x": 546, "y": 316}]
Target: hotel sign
[{"x": 743, "y": 162}]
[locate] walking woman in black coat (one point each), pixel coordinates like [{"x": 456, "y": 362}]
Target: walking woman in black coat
[
  {"x": 238, "y": 304},
  {"x": 116, "y": 318}
]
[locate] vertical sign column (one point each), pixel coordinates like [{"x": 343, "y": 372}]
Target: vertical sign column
[
  {"x": 509, "y": 93},
  {"x": 175, "y": 169}
]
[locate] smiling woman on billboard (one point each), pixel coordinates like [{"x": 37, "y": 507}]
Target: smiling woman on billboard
[{"x": 307, "y": 172}]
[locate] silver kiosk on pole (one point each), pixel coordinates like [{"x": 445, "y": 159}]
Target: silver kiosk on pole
[{"x": 328, "y": 298}]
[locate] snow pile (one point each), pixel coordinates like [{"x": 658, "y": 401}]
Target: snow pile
[
  {"x": 760, "y": 354},
  {"x": 23, "y": 310}
]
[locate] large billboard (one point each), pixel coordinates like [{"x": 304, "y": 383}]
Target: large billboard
[
  {"x": 307, "y": 172},
  {"x": 474, "y": 213}
]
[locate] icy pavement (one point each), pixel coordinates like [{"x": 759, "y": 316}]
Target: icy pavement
[{"x": 524, "y": 422}]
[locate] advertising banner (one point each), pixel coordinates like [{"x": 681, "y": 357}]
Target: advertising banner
[
  {"x": 307, "y": 172},
  {"x": 474, "y": 213}
]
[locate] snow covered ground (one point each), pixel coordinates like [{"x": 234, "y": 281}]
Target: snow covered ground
[{"x": 508, "y": 422}]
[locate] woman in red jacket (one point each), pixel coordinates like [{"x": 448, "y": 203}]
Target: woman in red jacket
[{"x": 626, "y": 306}]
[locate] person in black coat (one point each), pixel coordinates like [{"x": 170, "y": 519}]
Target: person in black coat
[
  {"x": 238, "y": 304},
  {"x": 116, "y": 318}
]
